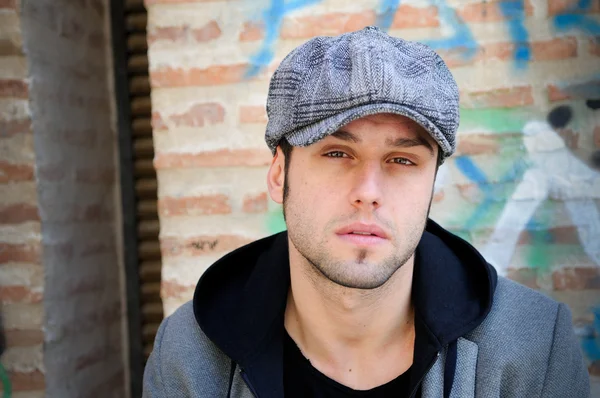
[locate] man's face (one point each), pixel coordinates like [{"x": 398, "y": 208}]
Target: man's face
[{"x": 356, "y": 202}]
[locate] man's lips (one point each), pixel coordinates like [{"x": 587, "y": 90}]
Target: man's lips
[{"x": 362, "y": 230}]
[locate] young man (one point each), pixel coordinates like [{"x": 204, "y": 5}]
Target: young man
[{"x": 363, "y": 295}]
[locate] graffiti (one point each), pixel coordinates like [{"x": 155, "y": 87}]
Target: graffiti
[
  {"x": 202, "y": 244},
  {"x": 590, "y": 338},
  {"x": 387, "y": 10},
  {"x": 515, "y": 14},
  {"x": 576, "y": 19},
  {"x": 273, "y": 18},
  {"x": 462, "y": 37},
  {"x": 560, "y": 116},
  {"x": 555, "y": 173}
]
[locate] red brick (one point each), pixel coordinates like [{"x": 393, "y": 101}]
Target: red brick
[
  {"x": 168, "y": 33},
  {"x": 556, "y": 94},
  {"x": 477, "y": 144},
  {"x": 13, "y": 127},
  {"x": 556, "y": 7},
  {"x": 182, "y": 33},
  {"x": 10, "y": 172},
  {"x": 470, "y": 192},
  {"x": 19, "y": 294},
  {"x": 499, "y": 98},
  {"x": 256, "y": 203},
  {"x": 23, "y": 338},
  {"x": 19, "y": 253},
  {"x": 200, "y": 114},
  {"x": 208, "y": 32},
  {"x": 487, "y": 12},
  {"x": 555, "y": 49},
  {"x": 18, "y": 213},
  {"x": 157, "y": 122},
  {"x": 549, "y": 50},
  {"x": 524, "y": 276},
  {"x": 597, "y": 136},
  {"x": 438, "y": 196},
  {"x": 253, "y": 114},
  {"x": 27, "y": 381},
  {"x": 577, "y": 278},
  {"x": 211, "y": 76},
  {"x": 252, "y": 31},
  {"x": 191, "y": 206},
  {"x": 220, "y": 158},
  {"x": 174, "y": 289},
  {"x": 201, "y": 245},
  {"x": 415, "y": 17},
  {"x": 328, "y": 24},
  {"x": 13, "y": 88},
  {"x": 10, "y": 4}
]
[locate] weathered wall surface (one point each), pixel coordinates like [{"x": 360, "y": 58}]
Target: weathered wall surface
[
  {"x": 21, "y": 272},
  {"x": 524, "y": 186},
  {"x": 60, "y": 271}
]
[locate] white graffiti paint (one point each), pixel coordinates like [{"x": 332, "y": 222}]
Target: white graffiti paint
[{"x": 555, "y": 173}]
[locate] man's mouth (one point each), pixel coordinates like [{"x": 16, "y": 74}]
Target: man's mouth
[{"x": 363, "y": 234}]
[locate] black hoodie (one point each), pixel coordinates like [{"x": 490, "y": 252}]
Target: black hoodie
[{"x": 240, "y": 301}]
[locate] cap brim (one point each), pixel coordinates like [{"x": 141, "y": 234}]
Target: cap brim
[{"x": 321, "y": 129}]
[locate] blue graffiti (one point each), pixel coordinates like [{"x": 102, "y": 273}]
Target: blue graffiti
[
  {"x": 590, "y": 344},
  {"x": 273, "y": 17},
  {"x": 575, "y": 19},
  {"x": 387, "y": 11},
  {"x": 462, "y": 38},
  {"x": 515, "y": 14},
  {"x": 490, "y": 194}
]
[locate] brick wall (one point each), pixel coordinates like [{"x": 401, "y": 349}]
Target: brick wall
[
  {"x": 21, "y": 272},
  {"x": 524, "y": 186},
  {"x": 60, "y": 266}
]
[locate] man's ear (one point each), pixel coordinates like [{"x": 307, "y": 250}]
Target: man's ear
[{"x": 276, "y": 176}]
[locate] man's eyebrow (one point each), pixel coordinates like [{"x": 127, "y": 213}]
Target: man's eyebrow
[
  {"x": 346, "y": 136},
  {"x": 410, "y": 142}
]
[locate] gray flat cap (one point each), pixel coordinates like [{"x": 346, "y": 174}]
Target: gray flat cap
[{"x": 328, "y": 82}]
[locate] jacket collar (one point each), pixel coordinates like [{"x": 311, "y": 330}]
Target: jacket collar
[{"x": 240, "y": 301}]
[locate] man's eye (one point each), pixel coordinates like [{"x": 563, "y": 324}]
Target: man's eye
[
  {"x": 403, "y": 161},
  {"x": 336, "y": 154}
]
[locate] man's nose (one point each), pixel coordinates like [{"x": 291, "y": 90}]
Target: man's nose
[{"x": 367, "y": 186}]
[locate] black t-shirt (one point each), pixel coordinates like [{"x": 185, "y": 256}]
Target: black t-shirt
[{"x": 301, "y": 379}]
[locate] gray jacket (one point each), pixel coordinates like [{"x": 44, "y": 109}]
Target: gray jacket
[{"x": 523, "y": 345}]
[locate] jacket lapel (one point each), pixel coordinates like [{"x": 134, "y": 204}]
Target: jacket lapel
[{"x": 464, "y": 376}]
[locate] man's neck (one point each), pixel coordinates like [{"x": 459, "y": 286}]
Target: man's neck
[{"x": 360, "y": 338}]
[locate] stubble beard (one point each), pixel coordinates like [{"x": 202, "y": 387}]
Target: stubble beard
[{"x": 337, "y": 271}]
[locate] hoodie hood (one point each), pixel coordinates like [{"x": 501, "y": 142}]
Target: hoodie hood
[{"x": 240, "y": 300}]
